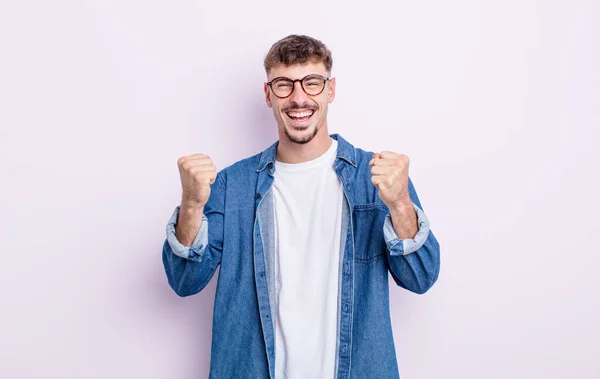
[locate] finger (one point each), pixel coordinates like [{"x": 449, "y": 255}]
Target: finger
[
  {"x": 210, "y": 179},
  {"x": 192, "y": 157},
  {"x": 200, "y": 162},
  {"x": 387, "y": 162},
  {"x": 374, "y": 158},
  {"x": 379, "y": 181},
  {"x": 203, "y": 168},
  {"x": 198, "y": 155},
  {"x": 382, "y": 170},
  {"x": 196, "y": 162},
  {"x": 399, "y": 158},
  {"x": 375, "y": 180},
  {"x": 390, "y": 155}
]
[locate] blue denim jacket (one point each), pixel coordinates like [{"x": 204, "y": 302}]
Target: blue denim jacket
[{"x": 237, "y": 233}]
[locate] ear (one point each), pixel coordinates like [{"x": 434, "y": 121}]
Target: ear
[
  {"x": 268, "y": 96},
  {"x": 331, "y": 94}
]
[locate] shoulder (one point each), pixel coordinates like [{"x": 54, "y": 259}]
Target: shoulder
[
  {"x": 363, "y": 156},
  {"x": 354, "y": 155},
  {"x": 240, "y": 171}
]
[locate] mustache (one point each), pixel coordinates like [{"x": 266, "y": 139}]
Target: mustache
[{"x": 295, "y": 106}]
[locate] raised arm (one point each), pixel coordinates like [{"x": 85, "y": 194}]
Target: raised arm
[
  {"x": 413, "y": 252},
  {"x": 192, "y": 250}
]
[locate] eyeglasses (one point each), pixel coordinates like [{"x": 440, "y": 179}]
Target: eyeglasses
[{"x": 312, "y": 85}]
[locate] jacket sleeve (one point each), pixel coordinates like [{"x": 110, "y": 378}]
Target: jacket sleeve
[
  {"x": 190, "y": 268},
  {"x": 414, "y": 263}
]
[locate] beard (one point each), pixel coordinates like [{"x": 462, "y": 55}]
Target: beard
[
  {"x": 288, "y": 131},
  {"x": 301, "y": 140}
]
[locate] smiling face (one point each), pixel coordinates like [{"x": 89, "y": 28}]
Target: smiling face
[{"x": 300, "y": 117}]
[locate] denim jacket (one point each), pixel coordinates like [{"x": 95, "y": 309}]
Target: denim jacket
[{"x": 237, "y": 233}]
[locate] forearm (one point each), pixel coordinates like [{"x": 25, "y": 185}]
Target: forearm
[
  {"x": 189, "y": 222},
  {"x": 414, "y": 259},
  {"x": 404, "y": 219}
]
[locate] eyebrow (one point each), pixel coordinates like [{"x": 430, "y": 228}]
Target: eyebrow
[{"x": 305, "y": 76}]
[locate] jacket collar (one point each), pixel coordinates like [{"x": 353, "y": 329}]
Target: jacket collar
[{"x": 345, "y": 151}]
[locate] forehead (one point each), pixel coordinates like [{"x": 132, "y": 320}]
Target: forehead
[{"x": 297, "y": 71}]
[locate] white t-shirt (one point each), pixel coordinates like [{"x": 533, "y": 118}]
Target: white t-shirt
[{"x": 308, "y": 200}]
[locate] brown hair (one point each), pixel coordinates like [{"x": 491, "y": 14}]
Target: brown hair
[{"x": 298, "y": 49}]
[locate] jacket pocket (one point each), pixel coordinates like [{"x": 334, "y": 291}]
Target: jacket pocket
[{"x": 369, "y": 242}]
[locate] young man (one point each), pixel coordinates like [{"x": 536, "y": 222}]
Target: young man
[{"x": 305, "y": 233}]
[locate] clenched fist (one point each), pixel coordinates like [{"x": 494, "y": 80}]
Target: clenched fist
[
  {"x": 390, "y": 175},
  {"x": 197, "y": 173}
]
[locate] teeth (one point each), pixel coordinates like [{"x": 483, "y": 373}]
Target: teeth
[{"x": 300, "y": 114}]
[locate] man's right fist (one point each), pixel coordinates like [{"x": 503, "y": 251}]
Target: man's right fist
[{"x": 197, "y": 174}]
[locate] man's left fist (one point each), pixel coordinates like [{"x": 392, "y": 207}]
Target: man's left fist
[{"x": 389, "y": 173}]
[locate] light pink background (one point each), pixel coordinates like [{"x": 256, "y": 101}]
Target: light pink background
[{"x": 496, "y": 103}]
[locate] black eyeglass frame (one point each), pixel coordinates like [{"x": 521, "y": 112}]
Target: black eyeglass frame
[{"x": 325, "y": 80}]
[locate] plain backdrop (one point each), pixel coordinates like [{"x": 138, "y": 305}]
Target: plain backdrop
[{"x": 496, "y": 103}]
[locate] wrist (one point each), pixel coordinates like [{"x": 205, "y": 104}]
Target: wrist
[
  {"x": 188, "y": 204},
  {"x": 402, "y": 206}
]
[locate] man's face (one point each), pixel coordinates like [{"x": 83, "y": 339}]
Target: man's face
[{"x": 300, "y": 116}]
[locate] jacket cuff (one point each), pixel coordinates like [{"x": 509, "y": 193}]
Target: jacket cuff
[
  {"x": 193, "y": 252},
  {"x": 399, "y": 246}
]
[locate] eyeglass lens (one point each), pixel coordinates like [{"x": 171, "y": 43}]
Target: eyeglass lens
[{"x": 312, "y": 85}]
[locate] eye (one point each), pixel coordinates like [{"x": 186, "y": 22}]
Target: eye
[{"x": 313, "y": 81}]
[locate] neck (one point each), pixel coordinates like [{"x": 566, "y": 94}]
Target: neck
[{"x": 291, "y": 152}]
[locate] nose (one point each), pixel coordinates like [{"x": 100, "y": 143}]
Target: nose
[{"x": 298, "y": 95}]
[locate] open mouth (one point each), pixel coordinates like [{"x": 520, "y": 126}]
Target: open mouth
[{"x": 300, "y": 117}]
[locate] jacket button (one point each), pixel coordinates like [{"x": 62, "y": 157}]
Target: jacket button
[{"x": 258, "y": 195}]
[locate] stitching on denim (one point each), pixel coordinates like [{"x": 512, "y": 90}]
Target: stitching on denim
[
  {"x": 370, "y": 259},
  {"x": 368, "y": 207}
]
